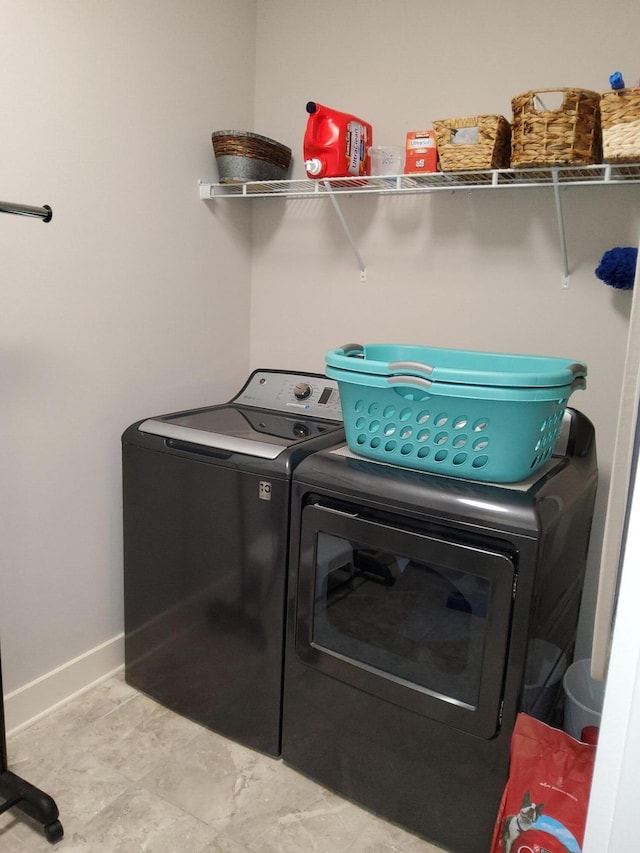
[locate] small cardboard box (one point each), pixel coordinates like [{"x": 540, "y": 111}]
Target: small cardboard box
[{"x": 421, "y": 152}]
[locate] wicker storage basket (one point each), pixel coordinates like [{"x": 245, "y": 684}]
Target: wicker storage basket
[
  {"x": 490, "y": 151},
  {"x": 568, "y": 135},
  {"x": 620, "y": 116}
]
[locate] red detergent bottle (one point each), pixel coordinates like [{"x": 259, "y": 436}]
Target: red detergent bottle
[{"x": 336, "y": 144}]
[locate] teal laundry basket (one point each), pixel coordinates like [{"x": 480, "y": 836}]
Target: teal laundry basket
[{"x": 403, "y": 412}]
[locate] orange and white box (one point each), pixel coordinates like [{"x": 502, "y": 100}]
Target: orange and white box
[{"x": 421, "y": 153}]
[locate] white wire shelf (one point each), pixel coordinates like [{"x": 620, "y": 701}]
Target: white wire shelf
[
  {"x": 603, "y": 174},
  {"x": 557, "y": 178}
]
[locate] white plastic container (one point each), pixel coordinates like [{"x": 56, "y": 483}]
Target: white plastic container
[
  {"x": 386, "y": 159},
  {"x": 583, "y": 698}
]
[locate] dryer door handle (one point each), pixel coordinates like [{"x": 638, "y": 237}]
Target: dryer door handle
[{"x": 336, "y": 511}]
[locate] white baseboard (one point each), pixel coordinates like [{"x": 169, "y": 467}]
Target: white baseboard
[{"x": 29, "y": 703}]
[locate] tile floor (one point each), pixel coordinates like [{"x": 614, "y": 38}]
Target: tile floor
[{"x": 128, "y": 775}]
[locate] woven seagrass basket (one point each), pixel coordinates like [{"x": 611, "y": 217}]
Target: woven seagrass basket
[
  {"x": 489, "y": 149},
  {"x": 620, "y": 117},
  {"x": 567, "y": 135}
]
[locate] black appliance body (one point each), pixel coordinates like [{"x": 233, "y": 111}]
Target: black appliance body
[
  {"x": 425, "y": 612},
  {"x": 206, "y": 498}
]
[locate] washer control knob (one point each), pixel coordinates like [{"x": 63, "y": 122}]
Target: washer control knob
[{"x": 302, "y": 391}]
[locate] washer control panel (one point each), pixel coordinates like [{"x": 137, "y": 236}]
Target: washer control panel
[{"x": 299, "y": 393}]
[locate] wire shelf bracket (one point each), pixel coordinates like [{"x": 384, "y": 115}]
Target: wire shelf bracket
[
  {"x": 347, "y": 231},
  {"x": 563, "y": 240}
]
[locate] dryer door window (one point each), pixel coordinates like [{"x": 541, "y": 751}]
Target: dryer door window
[{"x": 417, "y": 619}]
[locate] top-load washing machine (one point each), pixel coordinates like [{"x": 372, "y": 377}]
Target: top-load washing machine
[
  {"x": 206, "y": 499},
  {"x": 424, "y": 613}
]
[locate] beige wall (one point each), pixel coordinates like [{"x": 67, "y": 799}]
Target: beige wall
[
  {"x": 134, "y": 300},
  {"x": 469, "y": 270}
]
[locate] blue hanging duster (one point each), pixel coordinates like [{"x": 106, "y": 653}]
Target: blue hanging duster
[{"x": 617, "y": 268}]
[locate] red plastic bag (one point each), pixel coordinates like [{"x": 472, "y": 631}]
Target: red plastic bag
[{"x": 544, "y": 805}]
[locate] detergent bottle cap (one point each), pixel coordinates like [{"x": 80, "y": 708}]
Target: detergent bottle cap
[{"x": 313, "y": 166}]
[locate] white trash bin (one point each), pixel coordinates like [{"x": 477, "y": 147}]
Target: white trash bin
[{"x": 583, "y": 698}]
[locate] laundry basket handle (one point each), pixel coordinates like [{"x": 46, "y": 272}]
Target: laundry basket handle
[
  {"x": 409, "y": 380},
  {"x": 353, "y": 350},
  {"x": 577, "y": 368},
  {"x": 416, "y": 366}
]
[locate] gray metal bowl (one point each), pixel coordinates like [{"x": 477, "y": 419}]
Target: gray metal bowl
[{"x": 244, "y": 156}]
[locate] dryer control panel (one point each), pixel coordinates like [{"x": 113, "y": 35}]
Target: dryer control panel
[{"x": 308, "y": 394}]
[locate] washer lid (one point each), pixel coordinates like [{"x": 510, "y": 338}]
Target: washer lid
[{"x": 254, "y": 432}]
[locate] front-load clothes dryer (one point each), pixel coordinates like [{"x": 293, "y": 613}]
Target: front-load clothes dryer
[
  {"x": 206, "y": 496},
  {"x": 425, "y": 612}
]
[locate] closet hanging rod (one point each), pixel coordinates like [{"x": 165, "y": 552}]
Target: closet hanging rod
[{"x": 45, "y": 213}]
